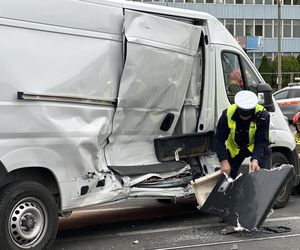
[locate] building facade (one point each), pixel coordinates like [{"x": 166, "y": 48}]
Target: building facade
[{"x": 252, "y": 18}]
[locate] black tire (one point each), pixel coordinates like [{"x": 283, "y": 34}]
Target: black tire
[
  {"x": 29, "y": 217},
  {"x": 284, "y": 196}
]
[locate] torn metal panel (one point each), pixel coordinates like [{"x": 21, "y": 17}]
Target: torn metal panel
[
  {"x": 172, "y": 179},
  {"x": 156, "y": 76},
  {"x": 146, "y": 169},
  {"x": 246, "y": 201}
]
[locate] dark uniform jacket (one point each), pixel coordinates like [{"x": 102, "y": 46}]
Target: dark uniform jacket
[{"x": 261, "y": 141}]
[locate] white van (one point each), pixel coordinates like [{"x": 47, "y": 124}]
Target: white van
[{"x": 102, "y": 101}]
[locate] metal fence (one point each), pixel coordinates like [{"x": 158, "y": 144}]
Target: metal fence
[{"x": 287, "y": 77}]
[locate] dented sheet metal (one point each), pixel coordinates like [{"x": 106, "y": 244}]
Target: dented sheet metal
[
  {"x": 155, "y": 79},
  {"x": 68, "y": 65},
  {"x": 246, "y": 201}
]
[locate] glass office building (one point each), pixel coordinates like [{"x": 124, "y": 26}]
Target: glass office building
[{"x": 252, "y": 18}]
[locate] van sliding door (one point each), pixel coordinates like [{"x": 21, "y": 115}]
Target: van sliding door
[{"x": 160, "y": 54}]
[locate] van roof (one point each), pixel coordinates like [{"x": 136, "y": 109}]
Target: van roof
[
  {"x": 220, "y": 34},
  {"x": 73, "y": 14}
]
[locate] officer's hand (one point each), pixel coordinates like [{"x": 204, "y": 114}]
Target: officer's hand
[
  {"x": 254, "y": 166},
  {"x": 225, "y": 167}
]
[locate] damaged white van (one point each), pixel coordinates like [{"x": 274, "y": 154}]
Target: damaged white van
[{"x": 102, "y": 101}]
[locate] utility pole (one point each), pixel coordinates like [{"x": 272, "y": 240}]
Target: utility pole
[{"x": 279, "y": 77}]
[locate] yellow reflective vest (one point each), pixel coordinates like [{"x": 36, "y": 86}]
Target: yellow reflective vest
[
  {"x": 231, "y": 144},
  {"x": 297, "y": 139}
]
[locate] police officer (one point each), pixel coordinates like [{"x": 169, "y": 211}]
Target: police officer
[{"x": 243, "y": 131}]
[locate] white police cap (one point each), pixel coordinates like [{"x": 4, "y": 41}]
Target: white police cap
[{"x": 246, "y": 100}]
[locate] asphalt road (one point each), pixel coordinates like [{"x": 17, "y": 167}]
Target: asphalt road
[{"x": 147, "y": 224}]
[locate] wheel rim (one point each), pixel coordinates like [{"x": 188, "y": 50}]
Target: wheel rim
[{"x": 28, "y": 222}]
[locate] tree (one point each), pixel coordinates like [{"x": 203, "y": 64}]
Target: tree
[
  {"x": 288, "y": 64},
  {"x": 298, "y": 60},
  {"x": 265, "y": 70}
]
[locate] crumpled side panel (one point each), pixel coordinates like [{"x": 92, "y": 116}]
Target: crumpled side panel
[
  {"x": 53, "y": 63},
  {"x": 154, "y": 83}
]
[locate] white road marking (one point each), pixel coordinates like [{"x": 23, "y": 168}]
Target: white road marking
[
  {"x": 284, "y": 218},
  {"x": 228, "y": 242}
]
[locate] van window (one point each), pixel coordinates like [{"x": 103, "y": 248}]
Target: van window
[
  {"x": 238, "y": 75},
  {"x": 251, "y": 79},
  {"x": 233, "y": 77}
]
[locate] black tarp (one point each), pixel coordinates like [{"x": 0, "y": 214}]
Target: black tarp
[{"x": 248, "y": 199}]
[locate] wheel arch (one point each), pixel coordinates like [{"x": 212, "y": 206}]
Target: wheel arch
[
  {"x": 37, "y": 174},
  {"x": 292, "y": 157}
]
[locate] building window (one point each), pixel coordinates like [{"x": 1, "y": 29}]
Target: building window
[
  {"x": 296, "y": 28},
  {"x": 258, "y": 27},
  {"x": 230, "y": 1},
  {"x": 296, "y": 2},
  {"x": 209, "y": 1},
  {"x": 287, "y": 2},
  {"x": 248, "y": 1},
  {"x": 251, "y": 56},
  {"x": 287, "y": 28},
  {"x": 258, "y": 57},
  {"x": 249, "y": 28},
  {"x": 221, "y": 20},
  {"x": 199, "y": 1},
  {"x": 239, "y": 1},
  {"x": 268, "y": 1},
  {"x": 239, "y": 27},
  {"x": 269, "y": 56},
  {"x": 258, "y": 1},
  {"x": 230, "y": 25},
  {"x": 268, "y": 28}
]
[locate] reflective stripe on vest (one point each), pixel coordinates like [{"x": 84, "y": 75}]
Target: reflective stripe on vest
[{"x": 231, "y": 144}]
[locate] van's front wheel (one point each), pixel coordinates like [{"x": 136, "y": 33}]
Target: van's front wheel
[
  {"x": 29, "y": 216},
  {"x": 284, "y": 196}
]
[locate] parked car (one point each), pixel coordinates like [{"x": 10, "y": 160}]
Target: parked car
[{"x": 288, "y": 100}]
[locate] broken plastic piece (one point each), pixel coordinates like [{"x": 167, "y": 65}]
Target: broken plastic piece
[
  {"x": 228, "y": 230},
  {"x": 249, "y": 198}
]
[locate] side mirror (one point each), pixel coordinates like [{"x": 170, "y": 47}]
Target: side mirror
[{"x": 264, "y": 94}]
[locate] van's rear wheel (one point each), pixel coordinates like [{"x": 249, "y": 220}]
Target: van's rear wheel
[
  {"x": 284, "y": 196},
  {"x": 29, "y": 216}
]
